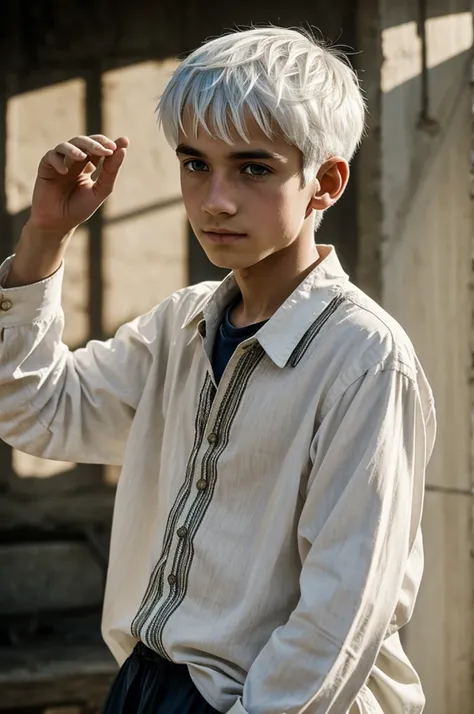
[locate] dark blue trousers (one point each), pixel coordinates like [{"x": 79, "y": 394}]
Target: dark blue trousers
[{"x": 149, "y": 684}]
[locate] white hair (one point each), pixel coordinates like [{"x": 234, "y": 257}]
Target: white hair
[{"x": 283, "y": 78}]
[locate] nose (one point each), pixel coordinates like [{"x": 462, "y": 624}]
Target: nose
[{"x": 220, "y": 197}]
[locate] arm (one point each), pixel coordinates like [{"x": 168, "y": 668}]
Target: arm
[
  {"x": 58, "y": 404},
  {"x": 356, "y": 531},
  {"x": 54, "y": 403}
]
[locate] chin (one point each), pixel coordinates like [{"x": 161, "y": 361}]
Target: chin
[{"x": 231, "y": 261}]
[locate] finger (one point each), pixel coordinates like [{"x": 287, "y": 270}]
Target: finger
[
  {"x": 108, "y": 173},
  {"x": 95, "y": 173},
  {"x": 87, "y": 145},
  {"x": 104, "y": 140},
  {"x": 122, "y": 142},
  {"x": 54, "y": 160},
  {"x": 86, "y": 164},
  {"x": 69, "y": 151}
]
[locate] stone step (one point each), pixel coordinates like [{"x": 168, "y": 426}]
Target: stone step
[
  {"x": 48, "y": 576},
  {"x": 66, "y": 676},
  {"x": 56, "y": 510}
]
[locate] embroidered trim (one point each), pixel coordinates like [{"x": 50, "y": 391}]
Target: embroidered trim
[
  {"x": 155, "y": 585},
  {"x": 184, "y": 553},
  {"x": 315, "y": 328}
]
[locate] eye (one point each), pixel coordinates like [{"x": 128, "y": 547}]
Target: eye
[
  {"x": 256, "y": 170},
  {"x": 195, "y": 166}
]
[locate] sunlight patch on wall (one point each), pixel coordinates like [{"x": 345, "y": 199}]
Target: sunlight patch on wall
[
  {"x": 447, "y": 36},
  {"x": 36, "y": 122},
  {"x": 145, "y": 234}
]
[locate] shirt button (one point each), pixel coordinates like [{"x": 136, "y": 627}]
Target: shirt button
[
  {"x": 171, "y": 579},
  {"x": 5, "y": 305},
  {"x": 182, "y": 532},
  {"x": 201, "y": 484},
  {"x": 212, "y": 438}
]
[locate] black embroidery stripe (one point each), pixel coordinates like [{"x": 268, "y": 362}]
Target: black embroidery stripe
[
  {"x": 155, "y": 585},
  {"x": 315, "y": 328},
  {"x": 185, "y": 550}
]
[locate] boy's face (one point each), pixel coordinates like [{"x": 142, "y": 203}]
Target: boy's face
[{"x": 244, "y": 201}]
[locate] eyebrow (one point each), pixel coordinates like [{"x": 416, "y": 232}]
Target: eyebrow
[{"x": 187, "y": 150}]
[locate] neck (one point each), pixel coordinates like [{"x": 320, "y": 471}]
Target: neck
[{"x": 266, "y": 285}]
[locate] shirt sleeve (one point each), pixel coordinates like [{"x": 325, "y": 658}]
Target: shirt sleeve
[
  {"x": 61, "y": 404},
  {"x": 357, "y": 528}
]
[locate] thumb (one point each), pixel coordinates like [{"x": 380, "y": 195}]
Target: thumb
[{"x": 107, "y": 177}]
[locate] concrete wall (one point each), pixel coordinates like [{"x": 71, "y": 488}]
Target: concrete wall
[
  {"x": 414, "y": 223},
  {"x": 145, "y": 229},
  {"x": 66, "y": 72},
  {"x": 53, "y": 90},
  {"x": 423, "y": 249}
]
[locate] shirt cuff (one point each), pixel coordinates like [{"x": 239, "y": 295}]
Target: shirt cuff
[
  {"x": 27, "y": 303},
  {"x": 238, "y": 708}
]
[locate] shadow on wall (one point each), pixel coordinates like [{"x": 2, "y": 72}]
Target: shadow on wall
[
  {"x": 92, "y": 67},
  {"x": 139, "y": 248},
  {"x": 61, "y": 76}
]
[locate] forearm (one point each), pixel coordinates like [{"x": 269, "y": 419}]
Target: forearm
[
  {"x": 54, "y": 403},
  {"x": 39, "y": 255}
]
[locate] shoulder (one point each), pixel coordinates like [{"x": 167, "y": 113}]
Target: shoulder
[
  {"x": 371, "y": 335},
  {"x": 190, "y": 302},
  {"x": 181, "y": 306},
  {"x": 372, "y": 343},
  {"x": 157, "y": 326},
  {"x": 365, "y": 340}
]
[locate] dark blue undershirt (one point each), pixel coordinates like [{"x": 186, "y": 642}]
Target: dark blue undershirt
[{"x": 228, "y": 338}]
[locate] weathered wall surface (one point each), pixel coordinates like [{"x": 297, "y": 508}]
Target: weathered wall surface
[
  {"x": 106, "y": 77},
  {"x": 144, "y": 252},
  {"x": 94, "y": 66},
  {"x": 88, "y": 67},
  {"x": 425, "y": 277}
]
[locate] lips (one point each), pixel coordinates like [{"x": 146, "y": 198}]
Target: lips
[
  {"x": 224, "y": 232},
  {"x": 223, "y": 236}
]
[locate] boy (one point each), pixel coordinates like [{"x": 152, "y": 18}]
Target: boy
[{"x": 273, "y": 429}]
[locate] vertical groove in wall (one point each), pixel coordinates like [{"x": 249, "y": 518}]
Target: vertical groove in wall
[
  {"x": 369, "y": 164},
  {"x": 424, "y": 111},
  {"x": 6, "y": 239},
  {"x": 6, "y": 243},
  {"x": 95, "y": 226},
  {"x": 96, "y": 222},
  {"x": 471, "y": 305}
]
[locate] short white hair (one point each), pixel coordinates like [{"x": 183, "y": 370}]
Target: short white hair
[{"x": 283, "y": 78}]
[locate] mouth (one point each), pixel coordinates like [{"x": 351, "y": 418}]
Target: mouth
[{"x": 222, "y": 236}]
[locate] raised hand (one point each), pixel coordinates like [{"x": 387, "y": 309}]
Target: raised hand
[{"x": 73, "y": 180}]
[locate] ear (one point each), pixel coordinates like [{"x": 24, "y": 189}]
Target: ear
[{"x": 331, "y": 181}]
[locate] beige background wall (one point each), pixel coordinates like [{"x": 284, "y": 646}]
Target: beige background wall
[
  {"x": 415, "y": 256},
  {"x": 145, "y": 232},
  {"x": 426, "y": 276}
]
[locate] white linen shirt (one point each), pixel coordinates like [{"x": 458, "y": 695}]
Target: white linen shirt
[{"x": 266, "y": 530}]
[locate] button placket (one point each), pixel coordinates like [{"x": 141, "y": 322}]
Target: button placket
[{"x": 183, "y": 531}]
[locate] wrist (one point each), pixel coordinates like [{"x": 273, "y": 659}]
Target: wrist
[
  {"x": 49, "y": 238},
  {"x": 38, "y": 256}
]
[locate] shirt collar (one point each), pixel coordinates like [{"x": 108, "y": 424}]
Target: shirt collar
[{"x": 284, "y": 330}]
